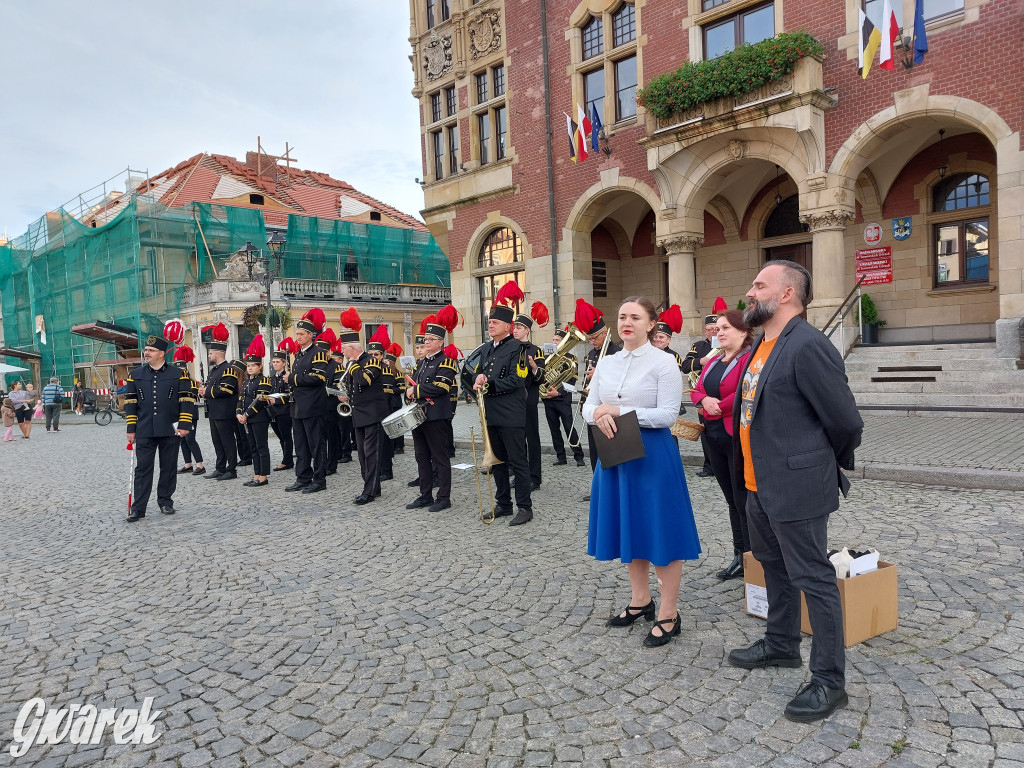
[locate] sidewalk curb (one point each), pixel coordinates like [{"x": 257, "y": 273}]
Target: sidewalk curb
[{"x": 948, "y": 477}]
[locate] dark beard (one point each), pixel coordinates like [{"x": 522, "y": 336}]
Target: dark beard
[{"x": 760, "y": 312}]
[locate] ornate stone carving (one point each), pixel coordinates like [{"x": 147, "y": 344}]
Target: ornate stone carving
[
  {"x": 437, "y": 56},
  {"x": 243, "y": 288},
  {"x": 676, "y": 244},
  {"x": 779, "y": 87},
  {"x": 484, "y": 33},
  {"x": 696, "y": 113},
  {"x": 235, "y": 269},
  {"x": 737, "y": 148},
  {"x": 830, "y": 219}
]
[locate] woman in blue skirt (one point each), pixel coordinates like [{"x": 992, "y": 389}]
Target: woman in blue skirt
[{"x": 640, "y": 511}]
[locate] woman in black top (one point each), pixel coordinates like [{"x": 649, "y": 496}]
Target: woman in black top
[{"x": 252, "y": 412}]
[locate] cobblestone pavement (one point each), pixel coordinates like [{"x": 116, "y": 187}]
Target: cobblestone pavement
[{"x": 276, "y": 630}]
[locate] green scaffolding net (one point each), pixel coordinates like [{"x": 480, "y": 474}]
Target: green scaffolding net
[{"x": 132, "y": 270}]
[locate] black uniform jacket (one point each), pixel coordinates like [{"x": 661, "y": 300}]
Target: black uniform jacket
[
  {"x": 308, "y": 378},
  {"x": 221, "y": 391},
  {"x": 676, "y": 357},
  {"x": 691, "y": 363},
  {"x": 435, "y": 379},
  {"x": 279, "y": 385},
  {"x": 250, "y": 404},
  {"x": 155, "y": 399},
  {"x": 534, "y": 380},
  {"x": 365, "y": 381},
  {"x": 506, "y": 370}
]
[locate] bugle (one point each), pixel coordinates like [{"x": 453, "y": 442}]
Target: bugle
[{"x": 344, "y": 409}]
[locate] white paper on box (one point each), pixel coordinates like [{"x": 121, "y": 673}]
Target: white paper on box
[
  {"x": 757, "y": 600},
  {"x": 864, "y": 564}
]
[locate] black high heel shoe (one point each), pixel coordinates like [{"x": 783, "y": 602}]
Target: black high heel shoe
[
  {"x": 653, "y": 641},
  {"x": 633, "y": 613}
]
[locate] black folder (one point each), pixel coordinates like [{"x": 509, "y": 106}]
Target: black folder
[{"x": 625, "y": 446}]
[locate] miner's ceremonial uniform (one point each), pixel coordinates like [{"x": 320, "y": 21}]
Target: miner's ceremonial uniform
[
  {"x": 281, "y": 420},
  {"x": 692, "y": 364},
  {"x": 241, "y": 436},
  {"x": 435, "y": 376},
  {"x": 308, "y": 379},
  {"x": 157, "y": 401},
  {"x": 257, "y": 420},
  {"x": 221, "y": 397},
  {"x": 533, "y": 385},
  {"x": 364, "y": 380},
  {"x": 394, "y": 401},
  {"x": 558, "y": 412}
]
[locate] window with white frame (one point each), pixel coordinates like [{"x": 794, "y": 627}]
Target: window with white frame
[{"x": 606, "y": 64}]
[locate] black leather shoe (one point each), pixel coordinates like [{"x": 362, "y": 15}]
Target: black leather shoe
[
  {"x": 245, "y": 463},
  {"x": 296, "y": 486},
  {"x": 534, "y": 486},
  {"x": 414, "y": 483},
  {"x": 228, "y": 476},
  {"x": 732, "y": 571},
  {"x": 387, "y": 476},
  {"x": 705, "y": 473},
  {"x": 669, "y": 628},
  {"x": 330, "y": 471},
  {"x": 420, "y": 502},
  {"x": 185, "y": 470},
  {"x": 559, "y": 462},
  {"x": 760, "y": 656},
  {"x": 282, "y": 467},
  {"x": 815, "y": 701},
  {"x": 134, "y": 516},
  {"x": 344, "y": 459},
  {"x": 167, "y": 510},
  {"x": 522, "y": 517},
  {"x": 587, "y": 497},
  {"x": 633, "y": 612},
  {"x": 214, "y": 475},
  {"x": 199, "y": 471},
  {"x": 502, "y": 511},
  {"x": 440, "y": 504},
  {"x": 315, "y": 488},
  {"x": 580, "y": 462},
  {"x": 249, "y": 483},
  {"x": 362, "y": 499},
  {"x": 257, "y": 484}
]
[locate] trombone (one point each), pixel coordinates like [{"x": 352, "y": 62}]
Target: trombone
[{"x": 489, "y": 459}]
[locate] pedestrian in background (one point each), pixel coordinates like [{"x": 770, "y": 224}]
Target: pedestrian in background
[
  {"x": 53, "y": 402},
  {"x": 22, "y": 400},
  {"x": 77, "y": 393},
  {"x": 7, "y": 410}
]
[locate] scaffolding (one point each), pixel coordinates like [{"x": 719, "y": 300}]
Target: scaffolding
[{"x": 130, "y": 266}]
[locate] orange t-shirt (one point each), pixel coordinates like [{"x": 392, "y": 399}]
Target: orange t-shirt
[{"x": 748, "y": 389}]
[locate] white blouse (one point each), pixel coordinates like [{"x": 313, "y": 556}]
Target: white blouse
[{"x": 645, "y": 380}]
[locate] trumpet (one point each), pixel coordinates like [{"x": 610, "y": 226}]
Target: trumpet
[{"x": 344, "y": 409}]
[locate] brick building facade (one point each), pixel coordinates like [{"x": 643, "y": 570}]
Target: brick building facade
[{"x": 688, "y": 208}]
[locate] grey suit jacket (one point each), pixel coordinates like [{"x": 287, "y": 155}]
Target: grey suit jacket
[{"x": 804, "y": 423}]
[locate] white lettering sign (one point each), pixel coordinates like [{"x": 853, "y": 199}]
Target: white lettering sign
[{"x": 82, "y": 724}]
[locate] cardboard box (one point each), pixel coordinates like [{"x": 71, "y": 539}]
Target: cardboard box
[{"x": 869, "y": 600}]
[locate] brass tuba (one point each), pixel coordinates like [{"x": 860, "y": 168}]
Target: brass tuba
[{"x": 560, "y": 366}]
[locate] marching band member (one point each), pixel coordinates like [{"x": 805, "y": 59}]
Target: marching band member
[
  {"x": 252, "y": 412},
  {"x": 307, "y": 381},
  {"x": 418, "y": 353},
  {"x": 694, "y": 362},
  {"x": 640, "y": 510},
  {"x": 363, "y": 380},
  {"x": 376, "y": 347},
  {"x": 220, "y": 391},
  {"x": 241, "y": 438},
  {"x": 590, "y": 320},
  {"x": 391, "y": 355},
  {"x": 500, "y": 372},
  {"x": 448, "y": 317},
  {"x": 521, "y": 329},
  {"x": 436, "y": 374},
  {"x": 334, "y": 423},
  {"x": 281, "y": 422},
  {"x": 558, "y": 412},
  {"x": 190, "y": 450},
  {"x": 670, "y": 321}
]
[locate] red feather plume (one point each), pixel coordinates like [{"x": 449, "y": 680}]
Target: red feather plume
[
  {"x": 449, "y": 317},
  {"x": 328, "y": 337},
  {"x": 539, "y": 313},
  {"x": 316, "y": 317},
  {"x": 395, "y": 349},
  {"x": 510, "y": 294},
  {"x": 174, "y": 331},
  {"x": 586, "y": 316},
  {"x": 673, "y": 318},
  {"x": 381, "y": 336},
  {"x": 425, "y": 322},
  {"x": 184, "y": 353},
  {"x": 719, "y": 306},
  {"x": 453, "y": 352},
  {"x": 350, "y": 319},
  {"x": 219, "y": 332},
  {"x": 336, "y": 346},
  {"x": 289, "y": 345},
  {"x": 256, "y": 346}
]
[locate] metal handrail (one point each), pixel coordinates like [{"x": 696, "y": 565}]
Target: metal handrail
[{"x": 841, "y": 312}]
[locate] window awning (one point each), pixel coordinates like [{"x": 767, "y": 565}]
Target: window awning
[{"x": 108, "y": 332}]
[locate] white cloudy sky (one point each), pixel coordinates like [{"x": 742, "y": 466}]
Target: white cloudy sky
[{"x": 88, "y": 89}]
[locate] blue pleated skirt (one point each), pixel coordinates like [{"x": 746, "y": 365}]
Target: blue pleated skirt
[{"x": 641, "y": 509}]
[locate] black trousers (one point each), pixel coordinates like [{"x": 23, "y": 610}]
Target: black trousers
[
  {"x": 731, "y": 483},
  {"x": 704, "y": 443},
  {"x": 190, "y": 449},
  {"x": 387, "y": 453},
  {"x": 310, "y": 450},
  {"x": 368, "y": 444},
  {"x": 509, "y": 445},
  {"x": 451, "y": 438},
  {"x": 430, "y": 442},
  {"x": 223, "y": 433},
  {"x": 793, "y": 555},
  {"x": 348, "y": 437},
  {"x": 243, "y": 442},
  {"x": 558, "y": 412},
  {"x": 533, "y": 441},
  {"x": 332, "y": 433},
  {"x": 259, "y": 448},
  {"x": 282, "y": 426},
  {"x": 146, "y": 449}
]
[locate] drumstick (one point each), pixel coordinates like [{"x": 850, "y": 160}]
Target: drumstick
[{"x": 413, "y": 384}]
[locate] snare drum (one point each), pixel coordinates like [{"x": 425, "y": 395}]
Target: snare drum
[{"x": 404, "y": 420}]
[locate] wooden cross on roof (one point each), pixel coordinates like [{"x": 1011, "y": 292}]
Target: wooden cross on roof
[{"x": 286, "y": 157}]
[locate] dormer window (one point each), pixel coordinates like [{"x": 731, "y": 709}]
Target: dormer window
[{"x": 255, "y": 199}]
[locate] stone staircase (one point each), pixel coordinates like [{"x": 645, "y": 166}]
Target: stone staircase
[{"x": 936, "y": 380}]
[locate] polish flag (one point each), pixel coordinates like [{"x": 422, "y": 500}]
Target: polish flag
[{"x": 890, "y": 31}]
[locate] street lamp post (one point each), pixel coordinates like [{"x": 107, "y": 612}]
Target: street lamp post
[{"x": 254, "y": 257}]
